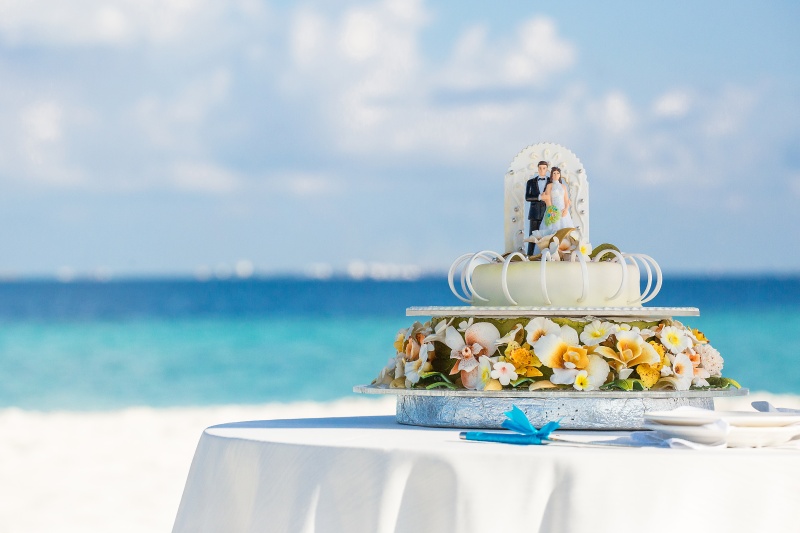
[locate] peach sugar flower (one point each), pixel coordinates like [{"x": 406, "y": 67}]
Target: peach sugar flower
[{"x": 479, "y": 339}]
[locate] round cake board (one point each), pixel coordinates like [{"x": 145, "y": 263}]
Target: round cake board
[{"x": 606, "y": 410}]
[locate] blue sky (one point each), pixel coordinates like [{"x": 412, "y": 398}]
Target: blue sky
[{"x": 183, "y": 136}]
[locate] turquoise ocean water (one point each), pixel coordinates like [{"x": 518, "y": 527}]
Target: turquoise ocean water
[{"x": 87, "y": 345}]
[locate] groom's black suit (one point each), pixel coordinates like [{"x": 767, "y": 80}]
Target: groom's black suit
[{"x": 533, "y": 189}]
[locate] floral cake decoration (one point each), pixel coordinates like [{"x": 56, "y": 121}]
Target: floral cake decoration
[{"x": 553, "y": 353}]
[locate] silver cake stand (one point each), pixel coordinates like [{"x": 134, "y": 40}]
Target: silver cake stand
[{"x": 576, "y": 409}]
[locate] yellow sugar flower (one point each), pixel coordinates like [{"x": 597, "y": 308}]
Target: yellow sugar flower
[
  {"x": 649, "y": 374},
  {"x": 662, "y": 354},
  {"x": 523, "y": 359},
  {"x": 493, "y": 384},
  {"x": 581, "y": 380},
  {"x": 699, "y": 335},
  {"x": 399, "y": 340}
]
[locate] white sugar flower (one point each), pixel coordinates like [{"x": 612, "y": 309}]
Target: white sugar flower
[
  {"x": 674, "y": 339},
  {"x": 386, "y": 375},
  {"x": 510, "y": 336},
  {"x": 683, "y": 370},
  {"x": 596, "y": 332},
  {"x": 504, "y": 372},
  {"x": 484, "y": 371},
  {"x": 594, "y": 376},
  {"x": 539, "y": 327},
  {"x": 555, "y": 254},
  {"x": 413, "y": 369},
  {"x": 464, "y": 324},
  {"x": 585, "y": 248},
  {"x": 710, "y": 358},
  {"x": 569, "y": 335},
  {"x": 589, "y": 378}
]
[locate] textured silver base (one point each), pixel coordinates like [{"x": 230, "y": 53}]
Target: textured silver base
[
  {"x": 575, "y": 413},
  {"x": 576, "y": 409}
]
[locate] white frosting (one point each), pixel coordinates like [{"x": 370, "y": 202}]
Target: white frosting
[{"x": 578, "y": 283}]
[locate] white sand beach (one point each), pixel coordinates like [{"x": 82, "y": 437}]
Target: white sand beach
[{"x": 124, "y": 471}]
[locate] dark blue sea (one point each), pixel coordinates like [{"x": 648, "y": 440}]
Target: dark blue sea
[{"x": 92, "y": 345}]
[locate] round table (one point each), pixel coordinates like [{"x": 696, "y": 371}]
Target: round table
[{"x": 372, "y": 475}]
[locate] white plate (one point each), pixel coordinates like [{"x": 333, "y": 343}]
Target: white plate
[
  {"x": 698, "y": 434},
  {"x": 734, "y": 437},
  {"x": 699, "y": 417}
]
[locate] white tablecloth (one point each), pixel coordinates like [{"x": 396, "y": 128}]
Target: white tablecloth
[{"x": 372, "y": 475}]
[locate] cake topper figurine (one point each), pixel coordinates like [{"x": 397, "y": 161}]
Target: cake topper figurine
[
  {"x": 533, "y": 194},
  {"x": 527, "y": 180}
]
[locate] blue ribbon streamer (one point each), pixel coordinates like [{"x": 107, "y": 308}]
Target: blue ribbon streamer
[{"x": 518, "y": 422}]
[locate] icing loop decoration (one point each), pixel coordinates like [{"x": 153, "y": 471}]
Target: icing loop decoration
[{"x": 465, "y": 265}]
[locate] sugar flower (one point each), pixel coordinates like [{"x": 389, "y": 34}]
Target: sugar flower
[
  {"x": 555, "y": 254},
  {"x": 594, "y": 376},
  {"x": 510, "y": 337},
  {"x": 674, "y": 339},
  {"x": 683, "y": 370},
  {"x": 643, "y": 333},
  {"x": 504, "y": 373},
  {"x": 710, "y": 359},
  {"x": 414, "y": 369},
  {"x": 697, "y": 336},
  {"x": 523, "y": 359},
  {"x": 554, "y": 352},
  {"x": 539, "y": 327},
  {"x": 386, "y": 375},
  {"x": 484, "y": 374},
  {"x": 412, "y": 340},
  {"x": 568, "y": 360},
  {"x": 648, "y": 374},
  {"x": 585, "y": 248},
  {"x": 631, "y": 350},
  {"x": 479, "y": 339},
  {"x": 569, "y": 335},
  {"x": 464, "y": 324},
  {"x": 596, "y": 332}
]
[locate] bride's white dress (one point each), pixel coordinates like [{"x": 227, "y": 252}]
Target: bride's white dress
[{"x": 562, "y": 219}]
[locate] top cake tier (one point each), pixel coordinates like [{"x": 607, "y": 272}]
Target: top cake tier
[{"x": 549, "y": 260}]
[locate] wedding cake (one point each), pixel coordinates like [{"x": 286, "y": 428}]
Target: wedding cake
[{"x": 552, "y": 322}]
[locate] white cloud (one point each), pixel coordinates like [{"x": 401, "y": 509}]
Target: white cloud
[
  {"x": 203, "y": 177},
  {"x": 615, "y": 112},
  {"x": 116, "y": 22},
  {"x": 41, "y": 121},
  {"x": 173, "y": 122},
  {"x": 674, "y": 104},
  {"x": 306, "y": 36},
  {"x": 304, "y": 184},
  {"x": 532, "y": 57},
  {"x": 360, "y": 35},
  {"x": 39, "y": 156},
  {"x": 355, "y": 83}
]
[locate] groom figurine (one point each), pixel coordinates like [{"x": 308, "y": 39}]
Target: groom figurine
[{"x": 534, "y": 188}]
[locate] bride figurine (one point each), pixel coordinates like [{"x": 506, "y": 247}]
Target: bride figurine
[{"x": 556, "y": 199}]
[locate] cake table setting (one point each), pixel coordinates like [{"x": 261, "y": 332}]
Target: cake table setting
[{"x": 553, "y": 400}]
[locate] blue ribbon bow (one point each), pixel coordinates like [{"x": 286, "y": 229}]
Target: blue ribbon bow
[{"x": 515, "y": 421}]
